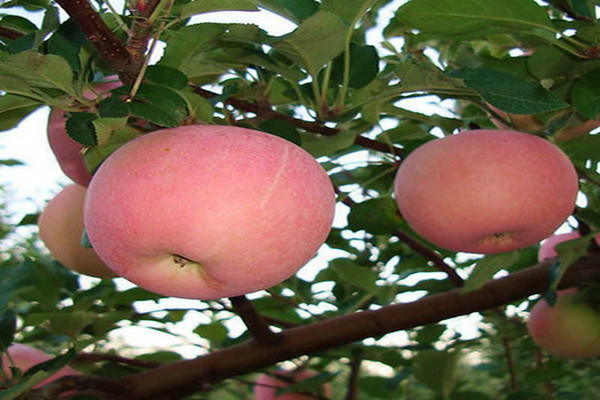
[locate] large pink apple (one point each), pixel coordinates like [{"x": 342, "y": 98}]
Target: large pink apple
[
  {"x": 570, "y": 329},
  {"x": 25, "y": 357},
  {"x": 486, "y": 191},
  {"x": 61, "y": 229},
  {"x": 67, "y": 151},
  {"x": 208, "y": 211},
  {"x": 266, "y": 386}
]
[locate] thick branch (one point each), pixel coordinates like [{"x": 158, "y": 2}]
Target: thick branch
[
  {"x": 254, "y": 322},
  {"x": 112, "y": 50},
  {"x": 9, "y": 33},
  {"x": 265, "y": 111},
  {"x": 185, "y": 377}
]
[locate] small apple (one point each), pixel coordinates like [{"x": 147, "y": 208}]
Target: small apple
[
  {"x": 67, "y": 151},
  {"x": 266, "y": 386},
  {"x": 25, "y": 357},
  {"x": 208, "y": 211},
  {"x": 61, "y": 229},
  {"x": 486, "y": 191},
  {"x": 569, "y": 329}
]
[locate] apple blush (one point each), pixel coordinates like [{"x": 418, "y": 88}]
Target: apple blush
[
  {"x": 208, "y": 212},
  {"x": 486, "y": 191}
]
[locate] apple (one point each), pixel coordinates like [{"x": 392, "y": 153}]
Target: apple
[
  {"x": 68, "y": 152},
  {"x": 25, "y": 357},
  {"x": 569, "y": 329},
  {"x": 61, "y": 229},
  {"x": 208, "y": 212},
  {"x": 266, "y": 386},
  {"x": 486, "y": 191}
]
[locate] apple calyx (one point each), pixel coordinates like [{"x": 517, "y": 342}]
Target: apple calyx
[{"x": 210, "y": 280}]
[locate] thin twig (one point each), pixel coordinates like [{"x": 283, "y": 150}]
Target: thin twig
[{"x": 353, "y": 387}]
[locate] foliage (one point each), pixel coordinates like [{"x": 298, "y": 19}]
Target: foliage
[{"x": 341, "y": 84}]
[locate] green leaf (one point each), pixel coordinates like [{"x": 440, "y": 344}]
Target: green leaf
[
  {"x": 215, "y": 333},
  {"x": 38, "y": 70},
  {"x": 586, "y": 94},
  {"x": 13, "y": 109},
  {"x": 568, "y": 253},
  {"x": 198, "y": 107},
  {"x": 154, "y": 114},
  {"x": 8, "y": 327},
  {"x": 54, "y": 364},
  {"x": 377, "y": 387},
  {"x": 508, "y": 92},
  {"x": 318, "y": 40},
  {"x": 312, "y": 385},
  {"x": 94, "y": 156},
  {"x": 167, "y": 76},
  {"x": 456, "y": 17},
  {"x": 187, "y": 43},
  {"x": 364, "y": 66},
  {"x": 349, "y": 10},
  {"x": 487, "y": 267},
  {"x": 583, "y": 148},
  {"x": 320, "y": 146},
  {"x": 377, "y": 216},
  {"x": 281, "y": 128},
  {"x": 205, "y": 6},
  {"x": 360, "y": 276},
  {"x": 80, "y": 127},
  {"x": 437, "y": 370},
  {"x": 294, "y": 10}
]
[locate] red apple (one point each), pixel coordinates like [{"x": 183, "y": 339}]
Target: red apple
[
  {"x": 25, "y": 357},
  {"x": 208, "y": 211},
  {"x": 61, "y": 230},
  {"x": 266, "y": 386},
  {"x": 486, "y": 191},
  {"x": 570, "y": 329},
  {"x": 68, "y": 152}
]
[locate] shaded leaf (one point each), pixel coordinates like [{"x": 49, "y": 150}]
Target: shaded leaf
[
  {"x": 586, "y": 94},
  {"x": 377, "y": 216},
  {"x": 205, "y": 6}
]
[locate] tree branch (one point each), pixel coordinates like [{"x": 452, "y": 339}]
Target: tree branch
[
  {"x": 254, "y": 322},
  {"x": 112, "y": 50},
  {"x": 266, "y": 111},
  {"x": 9, "y": 33},
  {"x": 353, "y": 387},
  {"x": 186, "y": 377}
]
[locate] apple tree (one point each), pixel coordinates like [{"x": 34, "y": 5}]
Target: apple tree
[{"x": 384, "y": 310}]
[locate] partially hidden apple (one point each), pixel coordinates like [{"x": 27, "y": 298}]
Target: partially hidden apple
[
  {"x": 486, "y": 191},
  {"x": 61, "y": 229},
  {"x": 266, "y": 386},
  {"x": 208, "y": 211},
  {"x": 569, "y": 329},
  {"x": 67, "y": 151},
  {"x": 24, "y": 357}
]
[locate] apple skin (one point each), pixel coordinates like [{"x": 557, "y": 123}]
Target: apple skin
[
  {"x": 570, "y": 329},
  {"x": 25, "y": 357},
  {"x": 67, "y": 151},
  {"x": 208, "y": 212},
  {"x": 486, "y": 191},
  {"x": 61, "y": 229},
  {"x": 266, "y": 386}
]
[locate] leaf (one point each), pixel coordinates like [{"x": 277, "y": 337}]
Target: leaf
[
  {"x": 205, "y": 6},
  {"x": 313, "y": 385},
  {"x": 8, "y": 327},
  {"x": 568, "y": 253},
  {"x": 456, "y": 17},
  {"x": 586, "y": 147},
  {"x": 188, "y": 42},
  {"x": 318, "y": 40},
  {"x": 36, "y": 69},
  {"x": 364, "y": 66},
  {"x": 13, "y": 109},
  {"x": 154, "y": 114},
  {"x": 508, "y": 92},
  {"x": 11, "y": 162},
  {"x": 215, "y": 333},
  {"x": 487, "y": 267},
  {"x": 53, "y": 364},
  {"x": 586, "y": 94},
  {"x": 360, "y": 276},
  {"x": 94, "y": 156},
  {"x": 80, "y": 127},
  {"x": 281, "y": 128},
  {"x": 294, "y": 10},
  {"x": 377, "y": 387},
  {"x": 320, "y": 146},
  {"x": 167, "y": 76},
  {"x": 437, "y": 370},
  {"x": 349, "y": 10},
  {"x": 377, "y": 216},
  {"x": 112, "y": 107}
]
